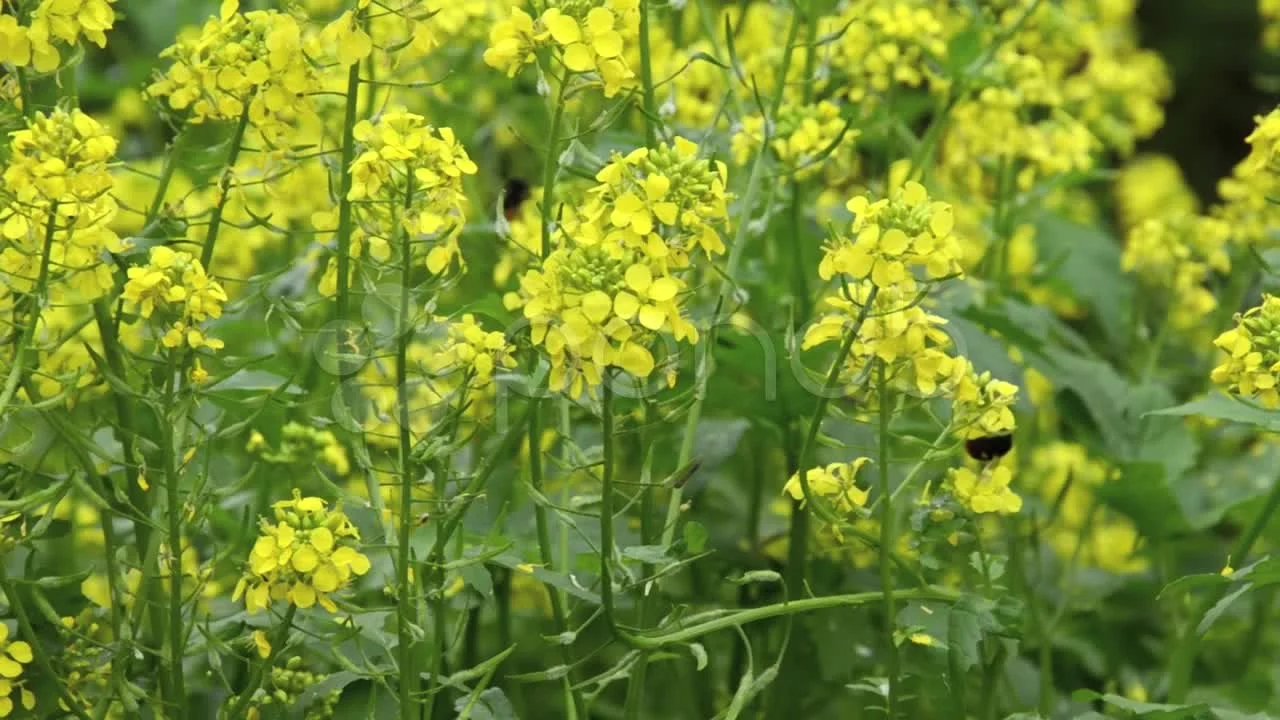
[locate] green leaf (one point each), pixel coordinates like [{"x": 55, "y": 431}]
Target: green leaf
[
  {"x": 1221, "y": 607},
  {"x": 492, "y": 704},
  {"x": 1088, "y": 263},
  {"x": 1221, "y": 407},
  {"x": 1187, "y": 583},
  {"x": 1153, "y": 711},
  {"x": 1141, "y": 493},
  {"x": 695, "y": 537}
]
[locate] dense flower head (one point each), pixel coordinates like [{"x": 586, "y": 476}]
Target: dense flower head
[
  {"x": 882, "y": 44},
  {"x": 402, "y": 155},
  {"x": 308, "y": 553},
  {"x": 588, "y": 36},
  {"x": 57, "y": 180},
  {"x": 175, "y": 284},
  {"x": 836, "y": 482},
  {"x": 804, "y": 138},
  {"x": 896, "y": 331},
  {"x": 666, "y": 203},
  {"x": 892, "y": 235},
  {"x": 303, "y": 444},
  {"x": 286, "y": 686},
  {"x": 1251, "y": 365},
  {"x": 986, "y": 490},
  {"x": 1177, "y": 254},
  {"x": 983, "y": 406},
  {"x": 254, "y": 59},
  {"x": 592, "y": 307},
  {"x": 14, "y": 654},
  {"x": 53, "y": 23}
]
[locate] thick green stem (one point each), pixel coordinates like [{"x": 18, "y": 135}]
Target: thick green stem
[
  {"x": 224, "y": 189},
  {"x": 1184, "y": 654},
  {"x": 887, "y": 539},
  {"x": 646, "y": 80},
  {"x": 551, "y": 165},
  {"x": 168, "y": 450},
  {"x": 606, "y": 507},
  {"x": 342, "y": 293},
  {"x": 545, "y": 554},
  {"x": 405, "y": 602}
]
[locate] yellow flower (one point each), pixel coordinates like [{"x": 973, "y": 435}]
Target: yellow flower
[
  {"x": 1251, "y": 366},
  {"x": 175, "y": 284},
  {"x": 837, "y": 482},
  {"x": 985, "y": 492},
  {"x": 892, "y": 235},
  {"x": 306, "y": 555},
  {"x": 13, "y": 656}
]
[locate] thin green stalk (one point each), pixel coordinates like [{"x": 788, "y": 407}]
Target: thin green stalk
[
  {"x": 224, "y": 182},
  {"x": 174, "y": 506},
  {"x": 690, "y": 633},
  {"x": 1184, "y": 653},
  {"x": 551, "y": 165},
  {"x": 162, "y": 186},
  {"x": 887, "y": 539},
  {"x": 633, "y": 709},
  {"x": 260, "y": 670},
  {"x": 38, "y": 648},
  {"x": 606, "y": 507},
  {"x": 342, "y": 293},
  {"x": 545, "y": 555},
  {"x": 405, "y": 603},
  {"x": 727, "y": 285},
  {"x": 24, "y": 93}
]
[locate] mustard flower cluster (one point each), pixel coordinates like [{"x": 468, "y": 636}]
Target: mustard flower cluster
[
  {"x": 882, "y": 44},
  {"x": 175, "y": 284},
  {"x": 56, "y": 191},
  {"x": 250, "y": 62},
  {"x": 586, "y": 36},
  {"x": 53, "y": 23},
  {"x": 1247, "y": 194},
  {"x": 1251, "y": 365},
  {"x": 982, "y": 405},
  {"x": 837, "y": 482},
  {"x": 452, "y": 368},
  {"x": 804, "y": 138},
  {"x": 306, "y": 555},
  {"x": 14, "y": 654},
  {"x": 1176, "y": 255},
  {"x": 986, "y": 490},
  {"x": 892, "y": 235},
  {"x": 1064, "y": 473},
  {"x": 664, "y": 203},
  {"x": 408, "y": 178},
  {"x": 616, "y": 281}
]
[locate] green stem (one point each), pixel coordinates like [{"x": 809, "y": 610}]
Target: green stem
[
  {"x": 342, "y": 299},
  {"x": 38, "y": 648},
  {"x": 224, "y": 182},
  {"x": 546, "y": 557},
  {"x": 174, "y": 507},
  {"x": 887, "y": 539},
  {"x": 405, "y": 603},
  {"x": 606, "y": 507},
  {"x": 787, "y": 607},
  {"x": 551, "y": 165},
  {"x": 1185, "y": 653},
  {"x": 646, "y": 80},
  {"x": 260, "y": 670}
]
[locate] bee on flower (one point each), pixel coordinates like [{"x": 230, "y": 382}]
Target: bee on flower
[{"x": 308, "y": 553}]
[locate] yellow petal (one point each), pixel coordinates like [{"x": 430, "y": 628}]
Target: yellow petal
[{"x": 596, "y": 305}]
